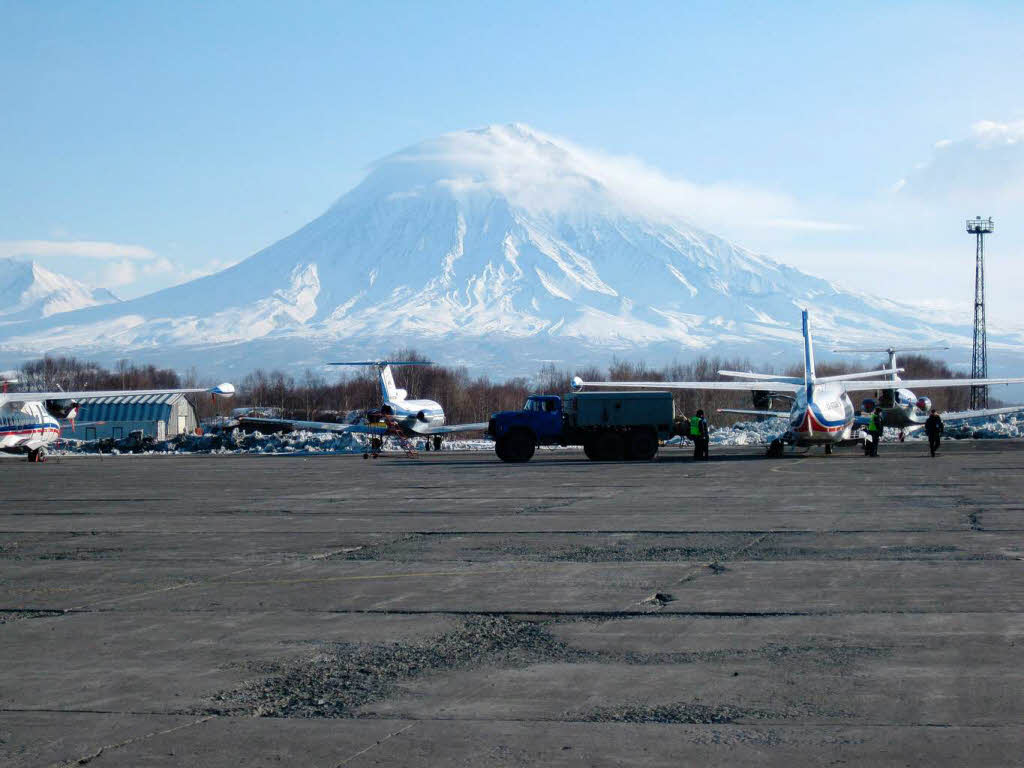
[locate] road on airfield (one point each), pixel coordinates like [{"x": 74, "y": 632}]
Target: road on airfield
[{"x": 453, "y": 610}]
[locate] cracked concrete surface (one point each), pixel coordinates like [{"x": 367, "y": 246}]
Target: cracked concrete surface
[{"x": 454, "y": 610}]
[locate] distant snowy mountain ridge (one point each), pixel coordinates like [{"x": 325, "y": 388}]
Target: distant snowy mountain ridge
[
  {"x": 496, "y": 248},
  {"x": 29, "y": 292}
]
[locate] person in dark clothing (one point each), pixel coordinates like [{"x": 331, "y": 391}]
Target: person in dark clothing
[
  {"x": 700, "y": 435},
  {"x": 934, "y": 429},
  {"x": 875, "y": 428}
]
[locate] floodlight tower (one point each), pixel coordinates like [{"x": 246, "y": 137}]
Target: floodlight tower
[{"x": 979, "y": 227}]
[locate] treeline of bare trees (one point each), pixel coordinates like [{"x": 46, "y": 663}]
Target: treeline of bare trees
[{"x": 465, "y": 398}]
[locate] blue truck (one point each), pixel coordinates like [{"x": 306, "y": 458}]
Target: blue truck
[{"x": 611, "y": 426}]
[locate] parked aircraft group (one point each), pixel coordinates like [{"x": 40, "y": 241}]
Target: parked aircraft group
[{"x": 821, "y": 412}]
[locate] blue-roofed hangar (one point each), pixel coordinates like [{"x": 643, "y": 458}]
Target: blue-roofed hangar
[{"x": 158, "y": 416}]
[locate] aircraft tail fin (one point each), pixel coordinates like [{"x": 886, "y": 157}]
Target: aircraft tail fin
[
  {"x": 891, "y": 352},
  {"x": 389, "y": 392},
  {"x": 808, "y": 351}
]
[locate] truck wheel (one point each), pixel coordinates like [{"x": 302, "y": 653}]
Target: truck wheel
[
  {"x": 590, "y": 449},
  {"x": 609, "y": 446},
  {"x": 643, "y": 446},
  {"x": 520, "y": 447},
  {"x": 501, "y": 448}
]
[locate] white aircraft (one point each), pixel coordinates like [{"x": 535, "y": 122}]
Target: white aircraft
[
  {"x": 29, "y": 421},
  {"x": 903, "y": 410},
  {"x": 821, "y": 413},
  {"x": 414, "y": 418}
]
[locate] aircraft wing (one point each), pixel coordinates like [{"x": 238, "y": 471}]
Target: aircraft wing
[
  {"x": 449, "y": 429},
  {"x": 734, "y": 386},
  {"x": 862, "y": 386},
  {"x": 753, "y": 412},
  {"x": 309, "y": 426},
  {"x": 953, "y": 418},
  {"x": 221, "y": 390}
]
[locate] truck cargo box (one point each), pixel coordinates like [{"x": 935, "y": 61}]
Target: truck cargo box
[{"x": 619, "y": 409}]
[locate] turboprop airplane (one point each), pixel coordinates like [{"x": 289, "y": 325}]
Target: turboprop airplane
[
  {"x": 821, "y": 412},
  {"x": 30, "y": 421},
  {"x": 903, "y": 410}
]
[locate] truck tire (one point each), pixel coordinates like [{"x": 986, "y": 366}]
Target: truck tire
[
  {"x": 519, "y": 447},
  {"x": 609, "y": 446},
  {"x": 501, "y": 448},
  {"x": 590, "y": 449},
  {"x": 642, "y": 446}
]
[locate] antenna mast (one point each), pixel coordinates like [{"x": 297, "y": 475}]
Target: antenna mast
[{"x": 979, "y": 227}]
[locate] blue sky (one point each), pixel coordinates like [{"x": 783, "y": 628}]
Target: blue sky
[{"x": 189, "y": 135}]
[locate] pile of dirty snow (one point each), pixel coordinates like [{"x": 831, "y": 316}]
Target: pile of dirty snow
[{"x": 239, "y": 442}]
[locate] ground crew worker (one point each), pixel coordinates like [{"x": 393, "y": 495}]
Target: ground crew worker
[
  {"x": 934, "y": 428},
  {"x": 699, "y": 435},
  {"x": 875, "y": 430}
]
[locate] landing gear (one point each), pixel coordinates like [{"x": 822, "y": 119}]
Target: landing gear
[
  {"x": 903, "y": 436},
  {"x": 776, "y": 449},
  {"x": 828, "y": 450},
  {"x": 37, "y": 455}
]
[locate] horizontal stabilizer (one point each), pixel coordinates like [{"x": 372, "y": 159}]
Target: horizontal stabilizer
[
  {"x": 862, "y": 375},
  {"x": 382, "y": 363},
  {"x": 888, "y": 350}
]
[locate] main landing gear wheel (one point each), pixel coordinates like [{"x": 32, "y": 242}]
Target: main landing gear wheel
[
  {"x": 828, "y": 450},
  {"x": 776, "y": 449}
]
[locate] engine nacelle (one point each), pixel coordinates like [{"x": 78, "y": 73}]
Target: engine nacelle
[
  {"x": 923, "y": 404},
  {"x": 62, "y": 409}
]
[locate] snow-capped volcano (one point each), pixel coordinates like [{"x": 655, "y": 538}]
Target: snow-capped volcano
[
  {"x": 29, "y": 292},
  {"x": 494, "y": 248}
]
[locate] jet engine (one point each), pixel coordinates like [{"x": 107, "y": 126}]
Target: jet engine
[
  {"x": 924, "y": 404},
  {"x": 421, "y": 416},
  {"x": 62, "y": 409}
]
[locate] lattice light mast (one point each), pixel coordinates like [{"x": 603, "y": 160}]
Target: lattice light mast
[{"x": 979, "y": 227}]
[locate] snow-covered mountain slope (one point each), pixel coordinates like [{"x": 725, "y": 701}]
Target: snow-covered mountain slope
[
  {"x": 495, "y": 248},
  {"x": 29, "y": 292}
]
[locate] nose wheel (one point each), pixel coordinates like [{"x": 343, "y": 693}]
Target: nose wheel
[{"x": 37, "y": 455}]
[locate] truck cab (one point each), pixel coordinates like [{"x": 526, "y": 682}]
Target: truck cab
[{"x": 517, "y": 433}]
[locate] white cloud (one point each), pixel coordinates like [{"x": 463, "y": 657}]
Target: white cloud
[
  {"x": 521, "y": 164},
  {"x": 89, "y": 249},
  {"x": 983, "y": 168}
]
